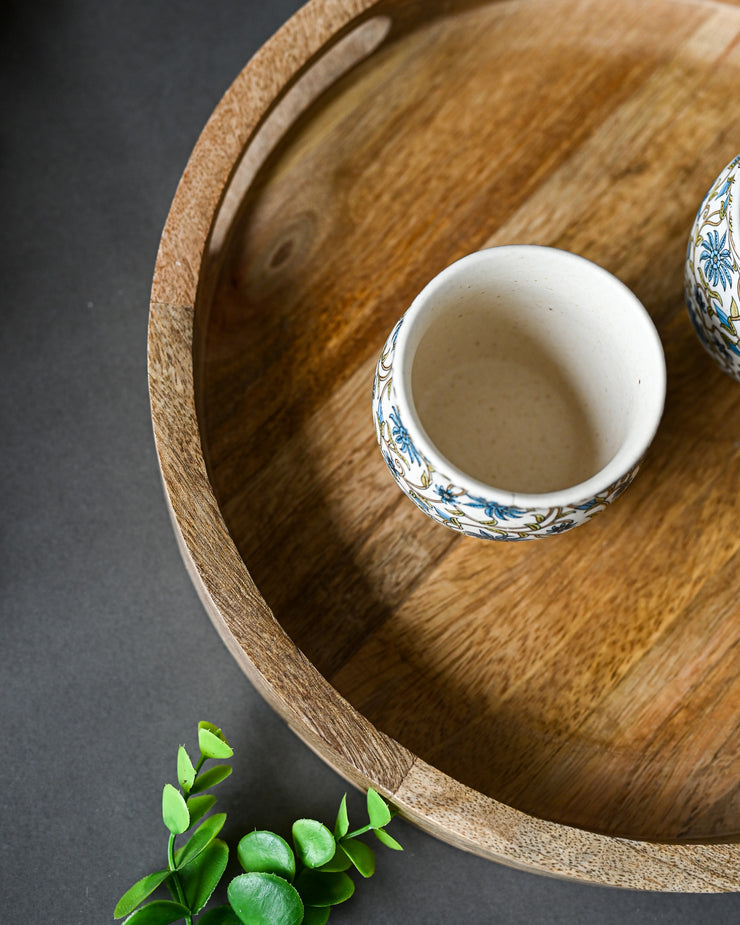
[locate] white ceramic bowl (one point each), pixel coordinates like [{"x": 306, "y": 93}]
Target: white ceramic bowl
[{"x": 519, "y": 393}]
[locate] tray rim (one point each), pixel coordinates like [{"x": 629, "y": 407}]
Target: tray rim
[{"x": 338, "y": 733}]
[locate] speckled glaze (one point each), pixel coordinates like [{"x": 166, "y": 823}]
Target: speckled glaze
[
  {"x": 713, "y": 272},
  {"x": 582, "y": 293}
]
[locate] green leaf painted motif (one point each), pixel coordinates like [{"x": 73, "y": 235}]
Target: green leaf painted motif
[
  {"x": 265, "y": 899},
  {"x": 159, "y": 912},
  {"x": 377, "y": 810},
  {"x": 202, "y": 875},
  {"x": 268, "y": 853},
  {"x": 733, "y": 317},
  {"x": 175, "y": 812},
  {"x": 136, "y": 894},
  {"x": 313, "y": 842}
]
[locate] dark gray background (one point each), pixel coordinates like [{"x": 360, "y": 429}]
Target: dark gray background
[{"x": 108, "y": 659}]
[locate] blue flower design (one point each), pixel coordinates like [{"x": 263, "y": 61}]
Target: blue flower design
[
  {"x": 401, "y": 438},
  {"x": 562, "y": 526},
  {"x": 717, "y": 259},
  {"x": 494, "y": 511},
  {"x": 446, "y": 495}
]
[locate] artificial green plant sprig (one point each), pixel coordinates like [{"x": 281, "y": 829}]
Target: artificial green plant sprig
[
  {"x": 194, "y": 870},
  {"x": 285, "y": 887},
  {"x": 281, "y": 885}
]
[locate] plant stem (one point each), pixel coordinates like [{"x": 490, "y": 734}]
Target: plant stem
[
  {"x": 175, "y": 878},
  {"x": 171, "y": 855},
  {"x": 365, "y": 828}
]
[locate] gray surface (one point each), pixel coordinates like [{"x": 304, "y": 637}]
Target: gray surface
[{"x": 108, "y": 659}]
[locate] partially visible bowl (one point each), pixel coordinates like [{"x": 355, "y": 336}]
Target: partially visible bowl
[{"x": 712, "y": 282}]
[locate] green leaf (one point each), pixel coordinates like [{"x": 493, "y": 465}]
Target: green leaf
[
  {"x": 211, "y": 777},
  {"x": 139, "y": 892},
  {"x": 213, "y": 745},
  {"x": 213, "y": 730},
  {"x": 361, "y": 855},
  {"x": 211, "y": 727},
  {"x": 159, "y": 912},
  {"x": 200, "y": 839},
  {"x": 315, "y": 915},
  {"x": 174, "y": 810},
  {"x": 265, "y": 899},
  {"x": 339, "y": 862},
  {"x": 341, "y": 826},
  {"x": 314, "y": 843},
  {"x": 199, "y": 806},
  {"x": 202, "y": 875},
  {"x": 321, "y": 889},
  {"x": 185, "y": 769},
  {"x": 377, "y": 810},
  {"x": 219, "y": 915},
  {"x": 267, "y": 853},
  {"x": 388, "y": 840}
]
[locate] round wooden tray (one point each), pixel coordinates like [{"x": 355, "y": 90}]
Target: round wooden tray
[{"x": 571, "y": 705}]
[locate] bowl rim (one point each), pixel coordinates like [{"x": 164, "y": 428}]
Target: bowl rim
[
  {"x": 341, "y": 736},
  {"x": 638, "y": 325}
]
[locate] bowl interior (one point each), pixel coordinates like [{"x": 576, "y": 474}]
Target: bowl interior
[
  {"x": 529, "y": 370},
  {"x": 592, "y": 679}
]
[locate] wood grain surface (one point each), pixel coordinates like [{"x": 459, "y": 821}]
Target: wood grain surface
[{"x": 570, "y": 705}]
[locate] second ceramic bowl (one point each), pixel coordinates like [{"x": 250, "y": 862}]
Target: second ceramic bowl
[{"x": 712, "y": 279}]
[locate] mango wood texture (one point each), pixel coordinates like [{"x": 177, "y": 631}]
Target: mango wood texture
[{"x": 570, "y": 705}]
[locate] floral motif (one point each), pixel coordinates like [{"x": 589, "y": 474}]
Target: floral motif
[
  {"x": 404, "y": 443},
  {"x": 717, "y": 259},
  {"x": 453, "y": 505},
  {"x": 712, "y": 279},
  {"x": 495, "y": 511},
  {"x": 447, "y": 495}
]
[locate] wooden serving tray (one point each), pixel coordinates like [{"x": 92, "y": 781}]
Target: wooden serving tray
[{"x": 570, "y": 705}]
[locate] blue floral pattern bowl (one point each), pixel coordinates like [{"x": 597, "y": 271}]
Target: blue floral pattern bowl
[
  {"x": 454, "y": 505},
  {"x": 621, "y": 350},
  {"x": 712, "y": 282}
]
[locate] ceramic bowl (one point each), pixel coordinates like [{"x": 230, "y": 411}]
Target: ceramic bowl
[
  {"x": 713, "y": 272},
  {"x": 516, "y": 397}
]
